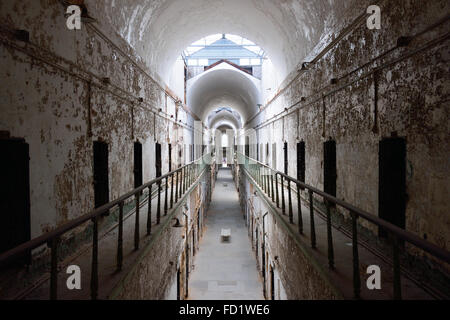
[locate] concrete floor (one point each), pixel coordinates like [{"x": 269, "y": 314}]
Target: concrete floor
[{"x": 225, "y": 270}]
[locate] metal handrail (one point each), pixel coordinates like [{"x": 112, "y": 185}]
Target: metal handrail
[
  {"x": 184, "y": 177},
  {"x": 397, "y": 233}
]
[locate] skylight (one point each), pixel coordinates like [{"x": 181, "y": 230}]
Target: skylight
[{"x": 213, "y": 48}]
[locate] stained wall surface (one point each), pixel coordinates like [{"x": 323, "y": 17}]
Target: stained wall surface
[
  {"x": 54, "y": 95},
  {"x": 380, "y": 88}
]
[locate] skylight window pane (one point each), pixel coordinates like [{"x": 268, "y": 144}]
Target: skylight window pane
[
  {"x": 247, "y": 42},
  {"x": 254, "y": 49},
  {"x": 245, "y": 62},
  {"x": 235, "y": 39},
  {"x": 256, "y": 62},
  {"x": 192, "y": 50},
  {"x": 233, "y": 49},
  {"x": 192, "y": 62},
  {"x": 211, "y": 39},
  {"x": 200, "y": 42},
  {"x": 203, "y": 62}
]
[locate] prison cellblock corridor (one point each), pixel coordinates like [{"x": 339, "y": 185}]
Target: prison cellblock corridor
[{"x": 138, "y": 136}]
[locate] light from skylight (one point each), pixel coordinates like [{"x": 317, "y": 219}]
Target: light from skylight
[
  {"x": 245, "y": 62},
  {"x": 204, "y": 42}
]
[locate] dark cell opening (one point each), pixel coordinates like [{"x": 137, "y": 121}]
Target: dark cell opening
[
  {"x": 170, "y": 157},
  {"x": 15, "y": 197},
  {"x": 392, "y": 182},
  {"x": 247, "y": 146},
  {"x": 187, "y": 271},
  {"x": 138, "y": 173},
  {"x": 301, "y": 164},
  {"x": 286, "y": 158},
  {"x": 101, "y": 173},
  {"x": 274, "y": 155},
  {"x": 224, "y": 153},
  {"x": 257, "y": 152},
  {"x": 272, "y": 283},
  {"x": 330, "y": 167},
  {"x": 158, "y": 162}
]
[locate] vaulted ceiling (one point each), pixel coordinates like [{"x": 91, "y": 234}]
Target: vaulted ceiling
[{"x": 159, "y": 30}]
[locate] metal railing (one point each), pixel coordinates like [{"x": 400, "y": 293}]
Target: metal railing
[
  {"x": 178, "y": 181},
  {"x": 271, "y": 181}
]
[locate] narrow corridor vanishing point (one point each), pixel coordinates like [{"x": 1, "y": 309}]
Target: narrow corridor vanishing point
[{"x": 225, "y": 270}]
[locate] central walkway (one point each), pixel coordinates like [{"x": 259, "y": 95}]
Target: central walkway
[{"x": 225, "y": 270}]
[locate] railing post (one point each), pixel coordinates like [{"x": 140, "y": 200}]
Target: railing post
[
  {"x": 262, "y": 173},
  {"x": 166, "y": 195},
  {"x": 94, "y": 269},
  {"x": 291, "y": 213},
  {"x": 176, "y": 187},
  {"x": 136, "y": 224},
  {"x": 158, "y": 208},
  {"x": 259, "y": 175},
  {"x": 54, "y": 269},
  {"x": 187, "y": 176},
  {"x": 283, "y": 204},
  {"x": 183, "y": 180},
  {"x": 311, "y": 212},
  {"x": 120, "y": 239},
  {"x": 265, "y": 180},
  {"x": 396, "y": 267},
  {"x": 276, "y": 187},
  {"x": 330, "y": 237},
  {"x": 273, "y": 190},
  {"x": 299, "y": 211},
  {"x": 189, "y": 180},
  {"x": 171, "y": 191},
  {"x": 356, "y": 275},
  {"x": 149, "y": 211},
  {"x": 181, "y": 183}
]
